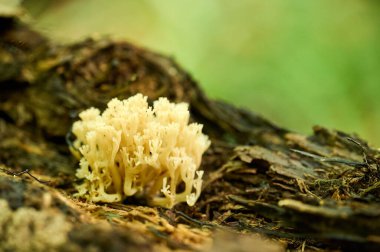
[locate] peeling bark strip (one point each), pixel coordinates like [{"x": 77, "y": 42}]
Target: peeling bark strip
[{"x": 317, "y": 192}]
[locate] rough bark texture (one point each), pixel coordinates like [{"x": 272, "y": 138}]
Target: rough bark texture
[{"x": 265, "y": 187}]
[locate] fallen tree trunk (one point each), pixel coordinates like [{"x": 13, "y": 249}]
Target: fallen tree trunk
[{"x": 279, "y": 188}]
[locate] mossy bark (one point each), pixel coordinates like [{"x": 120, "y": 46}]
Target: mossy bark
[{"x": 295, "y": 191}]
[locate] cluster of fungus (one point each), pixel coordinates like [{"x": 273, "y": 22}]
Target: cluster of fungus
[{"x": 135, "y": 149}]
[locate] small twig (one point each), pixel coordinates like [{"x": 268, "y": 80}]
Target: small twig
[
  {"x": 26, "y": 171},
  {"x": 357, "y": 143},
  {"x": 37, "y": 179},
  {"x": 363, "y": 148},
  {"x": 189, "y": 219},
  {"x": 355, "y": 164}
]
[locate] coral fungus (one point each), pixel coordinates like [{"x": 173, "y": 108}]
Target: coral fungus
[{"x": 134, "y": 149}]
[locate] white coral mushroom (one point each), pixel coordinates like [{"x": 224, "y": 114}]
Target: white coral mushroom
[{"x": 133, "y": 148}]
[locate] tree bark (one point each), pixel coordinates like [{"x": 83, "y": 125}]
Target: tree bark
[{"x": 279, "y": 188}]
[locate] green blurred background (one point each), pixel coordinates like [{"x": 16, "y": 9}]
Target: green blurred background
[{"x": 298, "y": 63}]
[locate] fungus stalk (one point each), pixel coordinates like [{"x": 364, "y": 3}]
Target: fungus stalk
[{"x": 132, "y": 148}]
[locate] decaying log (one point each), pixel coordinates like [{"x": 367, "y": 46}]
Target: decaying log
[{"x": 278, "y": 188}]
